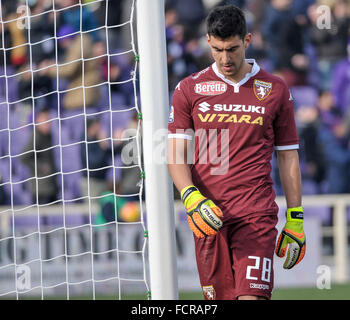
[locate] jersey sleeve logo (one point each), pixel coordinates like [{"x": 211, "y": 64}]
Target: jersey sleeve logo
[
  {"x": 262, "y": 89},
  {"x": 210, "y": 88},
  {"x": 171, "y": 115}
]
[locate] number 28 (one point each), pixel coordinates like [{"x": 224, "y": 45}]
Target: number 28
[{"x": 266, "y": 268}]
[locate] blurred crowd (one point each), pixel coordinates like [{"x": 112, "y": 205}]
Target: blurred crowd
[
  {"x": 58, "y": 121},
  {"x": 67, "y": 103}
]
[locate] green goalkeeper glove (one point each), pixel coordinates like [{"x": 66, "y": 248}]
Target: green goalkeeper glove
[
  {"x": 292, "y": 235},
  {"x": 203, "y": 215}
]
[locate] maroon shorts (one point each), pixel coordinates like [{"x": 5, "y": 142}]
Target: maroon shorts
[{"x": 239, "y": 259}]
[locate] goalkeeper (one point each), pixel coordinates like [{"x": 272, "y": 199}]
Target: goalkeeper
[{"x": 239, "y": 114}]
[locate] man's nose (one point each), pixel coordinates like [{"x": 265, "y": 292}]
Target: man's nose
[{"x": 226, "y": 57}]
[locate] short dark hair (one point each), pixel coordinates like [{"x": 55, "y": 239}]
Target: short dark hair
[{"x": 226, "y": 21}]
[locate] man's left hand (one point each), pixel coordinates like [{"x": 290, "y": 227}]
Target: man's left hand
[{"x": 292, "y": 235}]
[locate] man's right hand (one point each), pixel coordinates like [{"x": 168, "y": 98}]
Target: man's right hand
[{"x": 203, "y": 216}]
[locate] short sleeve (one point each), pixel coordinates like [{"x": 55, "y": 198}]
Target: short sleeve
[
  {"x": 286, "y": 136},
  {"x": 180, "y": 115}
]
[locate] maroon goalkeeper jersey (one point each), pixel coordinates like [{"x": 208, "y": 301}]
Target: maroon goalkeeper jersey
[{"x": 236, "y": 127}]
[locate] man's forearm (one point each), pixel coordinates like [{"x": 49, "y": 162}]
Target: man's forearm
[
  {"x": 178, "y": 168},
  {"x": 181, "y": 175},
  {"x": 288, "y": 162}
]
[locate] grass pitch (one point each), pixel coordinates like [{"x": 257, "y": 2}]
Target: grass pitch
[{"x": 336, "y": 292}]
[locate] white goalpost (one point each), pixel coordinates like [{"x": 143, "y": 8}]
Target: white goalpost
[
  {"x": 159, "y": 190},
  {"x": 106, "y": 229}
]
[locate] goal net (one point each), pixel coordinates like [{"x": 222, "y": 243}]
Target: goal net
[{"x": 71, "y": 177}]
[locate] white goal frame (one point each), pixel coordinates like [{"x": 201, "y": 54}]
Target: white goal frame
[{"x": 158, "y": 187}]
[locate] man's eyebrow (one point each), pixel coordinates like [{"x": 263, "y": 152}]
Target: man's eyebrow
[
  {"x": 216, "y": 48},
  {"x": 228, "y": 49}
]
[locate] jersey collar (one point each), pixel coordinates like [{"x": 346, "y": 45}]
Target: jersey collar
[{"x": 255, "y": 70}]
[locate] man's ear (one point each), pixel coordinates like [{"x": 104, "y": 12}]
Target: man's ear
[
  {"x": 247, "y": 40},
  {"x": 208, "y": 38}
]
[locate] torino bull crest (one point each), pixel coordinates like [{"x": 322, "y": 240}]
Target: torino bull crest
[{"x": 262, "y": 89}]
